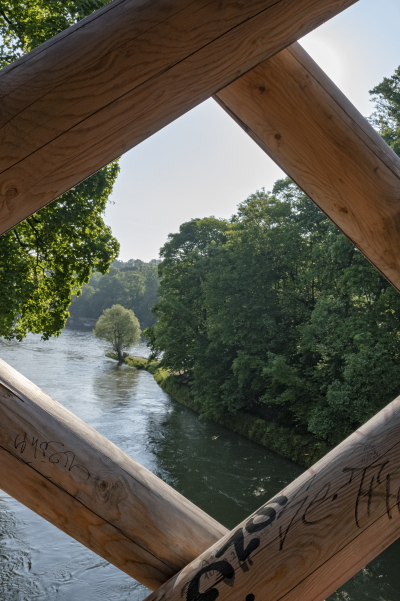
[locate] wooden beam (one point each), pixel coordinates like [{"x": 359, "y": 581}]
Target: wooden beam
[
  {"x": 300, "y": 546},
  {"x": 315, "y": 534},
  {"x": 71, "y": 475},
  {"x": 104, "y": 85},
  {"x": 297, "y": 115}
]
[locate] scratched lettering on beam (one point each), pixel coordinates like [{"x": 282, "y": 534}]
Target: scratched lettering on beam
[
  {"x": 32, "y": 450},
  {"x": 307, "y": 524}
]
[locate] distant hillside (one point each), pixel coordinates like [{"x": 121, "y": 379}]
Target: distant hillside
[{"x": 132, "y": 284}]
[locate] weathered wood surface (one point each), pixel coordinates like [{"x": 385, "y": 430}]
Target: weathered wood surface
[
  {"x": 297, "y": 115},
  {"x": 315, "y": 534},
  {"x": 104, "y": 85},
  {"x": 65, "y": 471}
]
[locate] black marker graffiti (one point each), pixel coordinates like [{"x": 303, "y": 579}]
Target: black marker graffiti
[
  {"x": 375, "y": 495},
  {"x": 225, "y": 570},
  {"x": 242, "y": 553},
  {"x": 237, "y": 540}
]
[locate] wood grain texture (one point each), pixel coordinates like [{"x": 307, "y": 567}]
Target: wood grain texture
[
  {"x": 104, "y": 85},
  {"x": 297, "y": 115},
  {"x": 71, "y": 475},
  {"x": 315, "y": 534}
]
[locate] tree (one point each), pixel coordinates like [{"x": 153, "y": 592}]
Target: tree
[
  {"x": 48, "y": 257},
  {"x": 119, "y": 327},
  {"x": 277, "y": 313},
  {"x": 386, "y": 118},
  {"x": 180, "y": 330},
  {"x": 132, "y": 284},
  {"x": 25, "y": 25}
]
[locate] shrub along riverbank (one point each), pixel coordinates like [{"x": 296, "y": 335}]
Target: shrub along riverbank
[{"x": 302, "y": 449}]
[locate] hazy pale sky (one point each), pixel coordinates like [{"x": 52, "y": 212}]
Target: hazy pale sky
[{"x": 204, "y": 164}]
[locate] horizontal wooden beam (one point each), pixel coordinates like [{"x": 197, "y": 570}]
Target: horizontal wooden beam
[
  {"x": 315, "y": 534},
  {"x": 102, "y": 86},
  {"x": 71, "y": 475},
  {"x": 297, "y": 115}
]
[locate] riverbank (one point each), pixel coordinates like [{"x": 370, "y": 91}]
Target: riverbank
[{"x": 301, "y": 449}]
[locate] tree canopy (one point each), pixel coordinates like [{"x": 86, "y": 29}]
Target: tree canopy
[
  {"x": 387, "y": 115},
  {"x": 132, "y": 284},
  {"x": 119, "y": 328},
  {"x": 276, "y": 312},
  {"x": 48, "y": 257},
  {"x": 27, "y": 24}
]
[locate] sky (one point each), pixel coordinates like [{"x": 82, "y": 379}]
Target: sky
[{"x": 203, "y": 164}]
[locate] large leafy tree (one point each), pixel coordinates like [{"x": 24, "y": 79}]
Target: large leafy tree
[
  {"x": 277, "y": 313},
  {"x": 28, "y": 23},
  {"x": 48, "y": 257},
  {"x": 280, "y": 315}
]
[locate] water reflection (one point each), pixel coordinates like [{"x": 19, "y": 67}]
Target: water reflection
[
  {"x": 226, "y": 475},
  {"x": 115, "y": 386}
]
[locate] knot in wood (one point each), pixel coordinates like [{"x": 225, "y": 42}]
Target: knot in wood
[{"x": 11, "y": 192}]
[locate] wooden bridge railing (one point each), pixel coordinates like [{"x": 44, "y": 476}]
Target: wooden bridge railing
[{"x": 85, "y": 97}]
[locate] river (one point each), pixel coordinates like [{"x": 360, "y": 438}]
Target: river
[{"x": 226, "y": 475}]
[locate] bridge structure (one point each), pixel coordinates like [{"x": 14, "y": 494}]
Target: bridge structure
[{"x": 79, "y": 101}]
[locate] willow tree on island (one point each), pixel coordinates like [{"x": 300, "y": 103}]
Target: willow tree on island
[{"x": 119, "y": 328}]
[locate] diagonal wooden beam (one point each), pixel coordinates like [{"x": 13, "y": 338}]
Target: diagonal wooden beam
[
  {"x": 297, "y": 115},
  {"x": 55, "y": 464},
  {"x": 315, "y": 534},
  {"x": 104, "y": 85}
]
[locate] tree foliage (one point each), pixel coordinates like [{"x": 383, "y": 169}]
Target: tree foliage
[
  {"x": 277, "y": 313},
  {"x": 48, "y": 257},
  {"x": 119, "y": 328},
  {"x": 132, "y": 284},
  {"x": 28, "y": 23},
  {"x": 387, "y": 115}
]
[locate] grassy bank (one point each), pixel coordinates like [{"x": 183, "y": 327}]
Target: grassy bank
[{"x": 304, "y": 450}]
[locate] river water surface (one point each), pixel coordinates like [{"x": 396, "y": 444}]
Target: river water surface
[{"x": 226, "y": 475}]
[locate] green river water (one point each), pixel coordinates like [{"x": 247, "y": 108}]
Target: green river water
[{"x": 226, "y": 475}]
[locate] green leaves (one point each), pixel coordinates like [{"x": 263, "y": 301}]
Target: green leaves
[
  {"x": 275, "y": 312},
  {"x": 27, "y": 24},
  {"x": 119, "y": 328},
  {"x": 48, "y": 257},
  {"x": 386, "y": 118}
]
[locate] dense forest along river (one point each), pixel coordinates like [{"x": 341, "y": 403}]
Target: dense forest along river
[{"x": 225, "y": 474}]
